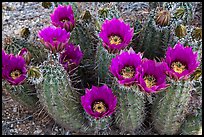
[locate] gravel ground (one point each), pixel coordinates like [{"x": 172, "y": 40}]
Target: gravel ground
[{"x": 17, "y": 119}]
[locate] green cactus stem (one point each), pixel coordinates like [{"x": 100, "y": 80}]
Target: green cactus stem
[
  {"x": 101, "y": 126},
  {"x": 84, "y": 34},
  {"x": 61, "y": 100},
  {"x": 192, "y": 125},
  {"x": 170, "y": 107},
  {"x": 38, "y": 54},
  {"x": 130, "y": 112},
  {"x": 24, "y": 94},
  {"x": 103, "y": 60},
  {"x": 153, "y": 41}
]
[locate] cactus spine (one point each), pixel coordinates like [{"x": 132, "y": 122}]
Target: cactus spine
[
  {"x": 62, "y": 101},
  {"x": 103, "y": 61},
  {"x": 130, "y": 114},
  {"x": 24, "y": 94},
  {"x": 84, "y": 35},
  {"x": 170, "y": 108},
  {"x": 192, "y": 125},
  {"x": 37, "y": 51},
  {"x": 153, "y": 40}
]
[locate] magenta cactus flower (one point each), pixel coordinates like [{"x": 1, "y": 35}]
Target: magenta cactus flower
[
  {"x": 15, "y": 71},
  {"x": 54, "y": 38},
  {"x": 63, "y": 16},
  {"x": 99, "y": 102},
  {"x": 181, "y": 61},
  {"x": 116, "y": 35},
  {"x": 152, "y": 76},
  {"x": 5, "y": 58},
  {"x": 71, "y": 57},
  {"x": 124, "y": 67}
]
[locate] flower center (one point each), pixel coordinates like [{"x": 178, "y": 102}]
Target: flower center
[
  {"x": 128, "y": 72},
  {"x": 150, "y": 81},
  {"x": 99, "y": 107},
  {"x": 115, "y": 39},
  {"x": 64, "y": 20},
  {"x": 178, "y": 67},
  {"x": 15, "y": 74}
]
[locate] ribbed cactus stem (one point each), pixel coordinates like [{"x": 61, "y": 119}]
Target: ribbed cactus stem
[
  {"x": 100, "y": 126},
  {"x": 24, "y": 94},
  {"x": 170, "y": 107},
  {"x": 37, "y": 51},
  {"x": 130, "y": 114},
  {"x": 192, "y": 125},
  {"x": 154, "y": 40},
  {"x": 84, "y": 34},
  {"x": 62, "y": 101},
  {"x": 103, "y": 59}
]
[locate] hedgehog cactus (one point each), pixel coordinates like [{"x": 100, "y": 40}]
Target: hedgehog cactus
[
  {"x": 130, "y": 113},
  {"x": 16, "y": 44},
  {"x": 14, "y": 74},
  {"x": 84, "y": 35},
  {"x": 96, "y": 74},
  {"x": 155, "y": 35},
  {"x": 62, "y": 101},
  {"x": 157, "y": 31},
  {"x": 171, "y": 106},
  {"x": 192, "y": 125},
  {"x": 25, "y": 94}
]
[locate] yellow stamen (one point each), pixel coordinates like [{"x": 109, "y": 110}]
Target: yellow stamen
[
  {"x": 99, "y": 107},
  {"x": 150, "y": 81},
  {"x": 178, "y": 67},
  {"x": 128, "y": 72},
  {"x": 15, "y": 74},
  {"x": 115, "y": 40}
]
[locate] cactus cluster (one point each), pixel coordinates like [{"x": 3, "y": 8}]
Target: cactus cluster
[{"x": 97, "y": 73}]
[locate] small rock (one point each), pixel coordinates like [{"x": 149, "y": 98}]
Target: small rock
[
  {"x": 38, "y": 131},
  {"x": 11, "y": 126},
  {"x": 14, "y": 109}
]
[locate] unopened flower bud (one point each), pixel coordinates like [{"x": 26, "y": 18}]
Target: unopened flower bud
[
  {"x": 179, "y": 12},
  {"x": 34, "y": 72},
  {"x": 26, "y": 55},
  {"x": 180, "y": 31},
  {"x": 24, "y": 32},
  {"x": 197, "y": 33},
  {"x": 163, "y": 18},
  {"x": 46, "y": 5},
  {"x": 86, "y": 15},
  {"x": 103, "y": 12}
]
